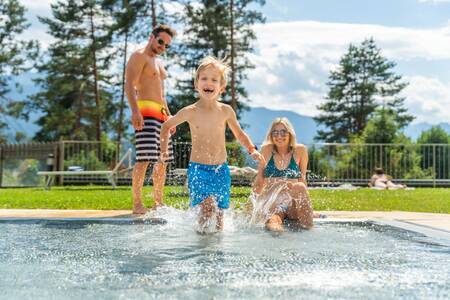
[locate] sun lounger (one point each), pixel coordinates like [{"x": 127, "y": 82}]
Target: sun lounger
[{"x": 110, "y": 175}]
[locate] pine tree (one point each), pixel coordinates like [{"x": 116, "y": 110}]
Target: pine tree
[
  {"x": 75, "y": 92},
  {"x": 221, "y": 28},
  {"x": 363, "y": 82},
  {"x": 13, "y": 55}
]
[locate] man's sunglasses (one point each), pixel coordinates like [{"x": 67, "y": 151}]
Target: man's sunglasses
[
  {"x": 281, "y": 133},
  {"x": 161, "y": 42}
]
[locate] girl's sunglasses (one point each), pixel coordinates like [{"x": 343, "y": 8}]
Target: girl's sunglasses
[
  {"x": 161, "y": 42},
  {"x": 281, "y": 133}
]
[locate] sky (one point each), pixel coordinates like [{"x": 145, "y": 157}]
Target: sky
[{"x": 302, "y": 40}]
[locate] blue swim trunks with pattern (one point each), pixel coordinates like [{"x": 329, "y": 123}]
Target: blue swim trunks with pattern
[{"x": 206, "y": 181}]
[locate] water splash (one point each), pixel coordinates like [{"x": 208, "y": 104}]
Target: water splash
[{"x": 269, "y": 202}]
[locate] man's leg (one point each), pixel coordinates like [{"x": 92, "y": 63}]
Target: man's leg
[
  {"x": 138, "y": 181},
  {"x": 159, "y": 178}
]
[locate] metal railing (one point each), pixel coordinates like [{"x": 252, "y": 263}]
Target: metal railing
[
  {"x": 427, "y": 164},
  {"x": 355, "y": 163}
]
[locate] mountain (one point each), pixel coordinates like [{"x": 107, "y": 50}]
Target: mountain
[{"x": 257, "y": 121}]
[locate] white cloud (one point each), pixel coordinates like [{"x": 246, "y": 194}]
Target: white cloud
[
  {"x": 293, "y": 61},
  {"x": 428, "y": 99}
]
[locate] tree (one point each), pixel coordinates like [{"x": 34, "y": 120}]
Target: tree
[
  {"x": 220, "y": 28},
  {"x": 434, "y": 135},
  {"x": 13, "y": 55},
  {"x": 363, "y": 82},
  {"x": 76, "y": 90},
  {"x": 381, "y": 128},
  {"x": 434, "y": 146}
]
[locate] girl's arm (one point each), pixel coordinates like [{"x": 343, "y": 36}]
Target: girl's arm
[{"x": 303, "y": 162}]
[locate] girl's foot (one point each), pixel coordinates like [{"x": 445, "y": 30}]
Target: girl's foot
[{"x": 275, "y": 224}]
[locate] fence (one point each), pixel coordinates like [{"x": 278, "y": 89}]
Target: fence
[{"x": 414, "y": 164}]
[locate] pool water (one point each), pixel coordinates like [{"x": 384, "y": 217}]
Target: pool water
[{"x": 80, "y": 260}]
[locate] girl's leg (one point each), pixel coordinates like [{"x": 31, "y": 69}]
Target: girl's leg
[{"x": 300, "y": 209}]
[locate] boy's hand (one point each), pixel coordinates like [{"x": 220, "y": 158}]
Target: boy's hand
[
  {"x": 173, "y": 129},
  {"x": 257, "y": 156},
  {"x": 164, "y": 156}
]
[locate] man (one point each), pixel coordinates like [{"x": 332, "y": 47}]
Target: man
[{"x": 144, "y": 86}]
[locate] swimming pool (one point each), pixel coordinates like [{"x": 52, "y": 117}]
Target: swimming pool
[{"x": 83, "y": 260}]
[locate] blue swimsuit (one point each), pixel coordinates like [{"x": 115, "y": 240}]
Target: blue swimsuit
[{"x": 291, "y": 171}]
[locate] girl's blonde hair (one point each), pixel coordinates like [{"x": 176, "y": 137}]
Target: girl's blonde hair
[
  {"x": 285, "y": 122},
  {"x": 209, "y": 61}
]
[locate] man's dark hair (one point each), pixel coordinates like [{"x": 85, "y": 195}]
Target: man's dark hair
[
  {"x": 163, "y": 28},
  {"x": 379, "y": 171}
]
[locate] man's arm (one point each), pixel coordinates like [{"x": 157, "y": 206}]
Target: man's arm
[
  {"x": 181, "y": 117},
  {"x": 163, "y": 92},
  {"x": 134, "y": 69}
]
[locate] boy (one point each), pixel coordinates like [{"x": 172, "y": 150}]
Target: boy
[{"x": 208, "y": 174}]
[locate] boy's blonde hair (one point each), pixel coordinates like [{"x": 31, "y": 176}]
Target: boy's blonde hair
[
  {"x": 289, "y": 128},
  {"x": 211, "y": 61}
]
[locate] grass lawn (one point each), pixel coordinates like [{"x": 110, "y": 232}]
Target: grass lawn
[{"x": 98, "y": 197}]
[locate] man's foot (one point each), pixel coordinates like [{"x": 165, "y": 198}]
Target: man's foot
[{"x": 139, "y": 210}]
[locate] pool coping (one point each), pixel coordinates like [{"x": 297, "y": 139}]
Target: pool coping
[{"x": 429, "y": 224}]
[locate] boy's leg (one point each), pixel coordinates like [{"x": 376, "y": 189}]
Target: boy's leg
[
  {"x": 138, "y": 181},
  {"x": 207, "y": 209},
  {"x": 159, "y": 179},
  {"x": 219, "y": 216}
]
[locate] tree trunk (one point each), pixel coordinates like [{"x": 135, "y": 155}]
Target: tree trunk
[
  {"x": 122, "y": 99},
  {"x": 232, "y": 64},
  {"x": 153, "y": 7},
  {"x": 95, "y": 74}
]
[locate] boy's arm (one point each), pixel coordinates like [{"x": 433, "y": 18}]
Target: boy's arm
[
  {"x": 134, "y": 68},
  {"x": 241, "y": 136},
  {"x": 181, "y": 117},
  {"x": 259, "y": 182}
]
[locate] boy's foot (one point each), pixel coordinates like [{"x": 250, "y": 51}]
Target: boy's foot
[{"x": 157, "y": 205}]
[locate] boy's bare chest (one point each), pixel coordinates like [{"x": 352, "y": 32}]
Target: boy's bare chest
[{"x": 208, "y": 122}]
